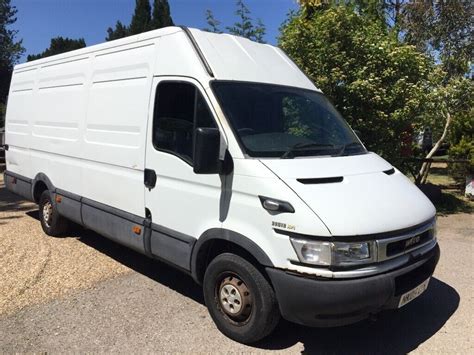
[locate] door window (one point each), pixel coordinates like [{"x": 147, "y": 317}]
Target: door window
[{"x": 179, "y": 109}]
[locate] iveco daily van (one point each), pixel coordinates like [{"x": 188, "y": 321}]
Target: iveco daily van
[{"x": 219, "y": 156}]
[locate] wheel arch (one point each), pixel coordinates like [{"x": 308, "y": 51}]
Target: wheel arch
[
  {"x": 39, "y": 184},
  {"x": 217, "y": 240}
]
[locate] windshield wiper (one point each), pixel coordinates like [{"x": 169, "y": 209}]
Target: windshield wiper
[
  {"x": 302, "y": 146},
  {"x": 348, "y": 145}
]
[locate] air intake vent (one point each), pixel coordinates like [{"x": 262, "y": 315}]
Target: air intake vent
[
  {"x": 390, "y": 171},
  {"x": 328, "y": 180}
]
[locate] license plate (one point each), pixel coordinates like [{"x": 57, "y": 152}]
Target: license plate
[{"x": 411, "y": 295}]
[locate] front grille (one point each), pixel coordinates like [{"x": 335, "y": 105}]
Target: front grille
[
  {"x": 406, "y": 241},
  {"x": 409, "y": 243}
]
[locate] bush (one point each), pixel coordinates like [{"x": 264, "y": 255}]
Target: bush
[{"x": 463, "y": 150}]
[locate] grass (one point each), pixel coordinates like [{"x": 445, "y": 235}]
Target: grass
[{"x": 438, "y": 176}]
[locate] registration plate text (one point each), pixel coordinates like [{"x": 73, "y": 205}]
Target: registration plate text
[{"x": 414, "y": 293}]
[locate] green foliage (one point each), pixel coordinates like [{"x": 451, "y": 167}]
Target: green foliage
[
  {"x": 10, "y": 48},
  {"x": 453, "y": 96},
  {"x": 142, "y": 19},
  {"x": 161, "y": 15},
  {"x": 59, "y": 45},
  {"x": 463, "y": 126},
  {"x": 376, "y": 82},
  {"x": 443, "y": 29},
  {"x": 385, "y": 13},
  {"x": 453, "y": 35},
  {"x": 245, "y": 27},
  {"x": 259, "y": 32},
  {"x": 463, "y": 150},
  {"x": 212, "y": 23},
  {"x": 120, "y": 31}
]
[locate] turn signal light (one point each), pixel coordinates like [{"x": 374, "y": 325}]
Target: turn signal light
[
  {"x": 137, "y": 230},
  {"x": 58, "y": 199},
  {"x": 276, "y": 206}
]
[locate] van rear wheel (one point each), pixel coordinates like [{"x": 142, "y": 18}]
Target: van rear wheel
[
  {"x": 240, "y": 300},
  {"x": 52, "y": 222}
]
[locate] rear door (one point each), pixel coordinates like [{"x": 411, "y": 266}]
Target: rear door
[{"x": 182, "y": 204}]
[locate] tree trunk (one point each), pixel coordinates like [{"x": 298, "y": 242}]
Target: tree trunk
[{"x": 425, "y": 167}]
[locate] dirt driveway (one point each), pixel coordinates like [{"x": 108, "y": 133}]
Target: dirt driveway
[{"x": 85, "y": 293}]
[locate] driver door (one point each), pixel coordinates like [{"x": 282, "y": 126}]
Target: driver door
[{"x": 181, "y": 204}]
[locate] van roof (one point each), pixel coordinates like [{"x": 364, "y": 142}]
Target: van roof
[{"x": 227, "y": 57}]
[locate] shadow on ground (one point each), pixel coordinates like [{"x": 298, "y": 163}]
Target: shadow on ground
[
  {"x": 11, "y": 202},
  {"x": 394, "y": 332},
  {"x": 450, "y": 203}
]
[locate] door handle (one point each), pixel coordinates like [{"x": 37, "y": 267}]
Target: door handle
[{"x": 150, "y": 178}]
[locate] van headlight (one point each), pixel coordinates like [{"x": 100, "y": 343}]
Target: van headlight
[{"x": 334, "y": 253}]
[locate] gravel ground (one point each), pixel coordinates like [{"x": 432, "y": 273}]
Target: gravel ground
[
  {"x": 85, "y": 293},
  {"x": 35, "y": 268}
]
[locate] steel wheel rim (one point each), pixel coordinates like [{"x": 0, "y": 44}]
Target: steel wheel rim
[
  {"x": 234, "y": 298},
  {"x": 47, "y": 213}
]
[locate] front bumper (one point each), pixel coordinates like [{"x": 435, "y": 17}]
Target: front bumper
[{"x": 325, "y": 303}]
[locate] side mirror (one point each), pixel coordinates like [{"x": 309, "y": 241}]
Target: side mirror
[{"x": 206, "y": 151}]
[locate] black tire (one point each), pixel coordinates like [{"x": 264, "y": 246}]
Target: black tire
[
  {"x": 263, "y": 316},
  {"x": 52, "y": 222}
]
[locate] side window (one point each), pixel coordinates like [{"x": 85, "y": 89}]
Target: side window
[{"x": 179, "y": 109}]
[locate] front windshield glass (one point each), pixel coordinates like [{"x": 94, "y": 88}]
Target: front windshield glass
[{"x": 285, "y": 122}]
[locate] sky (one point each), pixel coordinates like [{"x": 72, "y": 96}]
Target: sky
[{"x": 40, "y": 20}]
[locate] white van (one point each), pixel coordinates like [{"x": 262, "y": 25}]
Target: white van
[{"x": 219, "y": 156}]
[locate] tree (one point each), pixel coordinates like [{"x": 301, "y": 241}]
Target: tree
[
  {"x": 259, "y": 31},
  {"x": 141, "y": 19},
  {"x": 444, "y": 30},
  {"x": 375, "y": 10},
  {"x": 449, "y": 104},
  {"x": 161, "y": 15},
  {"x": 10, "y": 48},
  {"x": 379, "y": 84},
  {"x": 245, "y": 27},
  {"x": 120, "y": 31},
  {"x": 212, "y": 22},
  {"x": 59, "y": 45}
]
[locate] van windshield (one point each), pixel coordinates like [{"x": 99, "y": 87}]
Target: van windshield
[{"x": 285, "y": 122}]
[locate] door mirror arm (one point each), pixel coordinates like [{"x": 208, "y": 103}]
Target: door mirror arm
[{"x": 227, "y": 165}]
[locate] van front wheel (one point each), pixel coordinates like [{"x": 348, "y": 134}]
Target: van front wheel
[
  {"x": 52, "y": 222},
  {"x": 240, "y": 300}
]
